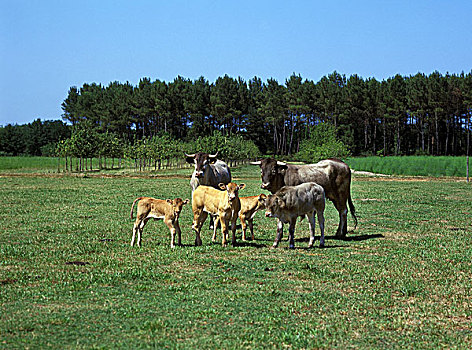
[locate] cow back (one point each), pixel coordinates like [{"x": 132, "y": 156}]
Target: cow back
[
  {"x": 333, "y": 175},
  {"x": 302, "y": 198}
]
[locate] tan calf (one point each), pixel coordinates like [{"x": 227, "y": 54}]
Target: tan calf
[
  {"x": 151, "y": 208},
  {"x": 224, "y": 204},
  {"x": 249, "y": 207}
]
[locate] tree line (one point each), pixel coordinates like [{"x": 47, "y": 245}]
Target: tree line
[
  {"x": 401, "y": 115},
  {"x": 417, "y": 114},
  {"x": 38, "y": 138}
]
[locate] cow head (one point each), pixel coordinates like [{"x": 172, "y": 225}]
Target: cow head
[
  {"x": 272, "y": 174},
  {"x": 261, "y": 202},
  {"x": 232, "y": 189},
  {"x": 177, "y": 205},
  {"x": 201, "y": 161},
  {"x": 273, "y": 205}
]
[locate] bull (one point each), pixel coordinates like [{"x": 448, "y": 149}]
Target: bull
[
  {"x": 332, "y": 174},
  {"x": 209, "y": 170}
]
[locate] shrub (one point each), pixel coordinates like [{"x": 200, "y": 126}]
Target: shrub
[{"x": 322, "y": 143}]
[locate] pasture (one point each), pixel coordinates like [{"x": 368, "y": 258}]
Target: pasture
[{"x": 69, "y": 279}]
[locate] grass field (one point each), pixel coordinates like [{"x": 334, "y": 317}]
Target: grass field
[
  {"x": 69, "y": 279},
  {"x": 408, "y": 166},
  {"x": 411, "y": 166}
]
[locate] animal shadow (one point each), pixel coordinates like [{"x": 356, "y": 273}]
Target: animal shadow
[{"x": 354, "y": 238}]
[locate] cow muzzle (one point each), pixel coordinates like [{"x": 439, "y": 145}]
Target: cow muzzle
[
  {"x": 265, "y": 186},
  {"x": 199, "y": 174}
]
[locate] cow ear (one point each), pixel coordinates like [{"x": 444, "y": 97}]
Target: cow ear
[
  {"x": 169, "y": 201},
  {"x": 190, "y": 158},
  {"x": 242, "y": 186},
  {"x": 262, "y": 196},
  {"x": 281, "y": 167},
  {"x": 280, "y": 202},
  {"x": 186, "y": 201},
  {"x": 222, "y": 186}
]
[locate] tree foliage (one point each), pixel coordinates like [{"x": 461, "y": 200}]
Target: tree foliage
[
  {"x": 401, "y": 115},
  {"x": 321, "y": 144}
]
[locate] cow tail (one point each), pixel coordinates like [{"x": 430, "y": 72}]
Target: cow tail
[
  {"x": 132, "y": 207},
  {"x": 353, "y": 211}
]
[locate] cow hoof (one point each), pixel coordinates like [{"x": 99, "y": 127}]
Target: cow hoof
[
  {"x": 274, "y": 246},
  {"x": 322, "y": 245},
  {"x": 291, "y": 246}
]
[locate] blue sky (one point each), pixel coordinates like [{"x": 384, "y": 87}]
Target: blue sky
[{"x": 48, "y": 46}]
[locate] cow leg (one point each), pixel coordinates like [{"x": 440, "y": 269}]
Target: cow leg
[
  {"x": 243, "y": 227},
  {"x": 140, "y": 231},
  {"x": 179, "y": 232},
  {"x": 215, "y": 224},
  {"x": 251, "y": 228},
  {"x": 280, "y": 232},
  {"x": 312, "y": 223},
  {"x": 198, "y": 220},
  {"x": 172, "y": 232},
  {"x": 291, "y": 233},
  {"x": 321, "y": 223},
  {"x": 224, "y": 228},
  {"x": 234, "y": 219},
  {"x": 135, "y": 228},
  {"x": 342, "y": 210}
]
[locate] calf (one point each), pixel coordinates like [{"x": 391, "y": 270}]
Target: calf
[
  {"x": 290, "y": 202},
  {"x": 224, "y": 204},
  {"x": 249, "y": 207},
  {"x": 168, "y": 210}
]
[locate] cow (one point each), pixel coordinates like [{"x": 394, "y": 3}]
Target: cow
[
  {"x": 168, "y": 210},
  {"x": 209, "y": 170},
  {"x": 332, "y": 174},
  {"x": 225, "y": 204},
  {"x": 291, "y": 202}
]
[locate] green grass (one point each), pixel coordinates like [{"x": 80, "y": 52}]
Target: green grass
[
  {"x": 408, "y": 166},
  {"x": 69, "y": 279},
  {"x": 411, "y": 166}
]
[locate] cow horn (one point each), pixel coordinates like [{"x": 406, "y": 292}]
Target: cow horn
[
  {"x": 190, "y": 155},
  {"x": 256, "y": 163},
  {"x": 281, "y": 163},
  {"x": 213, "y": 155}
]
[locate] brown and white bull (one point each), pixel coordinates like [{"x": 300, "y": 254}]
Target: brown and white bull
[
  {"x": 224, "y": 204},
  {"x": 291, "y": 202},
  {"x": 152, "y": 208},
  {"x": 209, "y": 170},
  {"x": 331, "y": 174}
]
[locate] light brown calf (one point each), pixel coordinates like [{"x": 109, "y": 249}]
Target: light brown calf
[
  {"x": 249, "y": 207},
  {"x": 151, "y": 208},
  {"x": 225, "y": 204}
]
